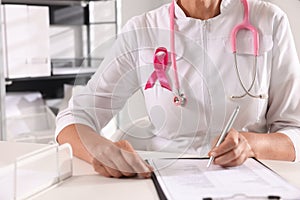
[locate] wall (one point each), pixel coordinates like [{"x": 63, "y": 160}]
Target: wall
[
  {"x": 130, "y": 8},
  {"x": 2, "y": 88}
]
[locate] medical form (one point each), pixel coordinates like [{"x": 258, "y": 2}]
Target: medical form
[{"x": 191, "y": 179}]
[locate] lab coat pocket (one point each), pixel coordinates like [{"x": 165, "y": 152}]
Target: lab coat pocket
[
  {"x": 246, "y": 64},
  {"x": 245, "y": 43},
  {"x": 250, "y": 68}
]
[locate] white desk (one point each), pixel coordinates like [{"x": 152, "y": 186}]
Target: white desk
[{"x": 86, "y": 184}]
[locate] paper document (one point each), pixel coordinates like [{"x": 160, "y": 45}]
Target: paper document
[{"x": 190, "y": 179}]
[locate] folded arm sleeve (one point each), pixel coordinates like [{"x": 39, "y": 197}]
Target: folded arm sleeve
[
  {"x": 284, "y": 94},
  {"x": 107, "y": 91}
]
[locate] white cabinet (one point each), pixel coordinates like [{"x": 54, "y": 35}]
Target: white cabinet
[
  {"x": 26, "y": 41},
  {"x": 38, "y": 35},
  {"x": 84, "y": 39},
  {"x": 102, "y": 11}
]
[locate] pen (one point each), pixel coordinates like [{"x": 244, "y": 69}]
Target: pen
[{"x": 225, "y": 131}]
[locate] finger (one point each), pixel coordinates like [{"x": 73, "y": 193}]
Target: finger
[
  {"x": 139, "y": 165},
  {"x": 105, "y": 169},
  {"x": 100, "y": 169},
  {"x": 124, "y": 167},
  {"x": 149, "y": 171},
  {"x": 230, "y": 142},
  {"x": 231, "y": 155},
  {"x": 238, "y": 161},
  {"x": 235, "y": 157},
  {"x": 107, "y": 163},
  {"x": 247, "y": 152},
  {"x": 111, "y": 159},
  {"x": 134, "y": 160},
  {"x": 115, "y": 167},
  {"x": 113, "y": 172}
]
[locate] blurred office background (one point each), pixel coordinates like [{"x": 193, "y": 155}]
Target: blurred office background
[{"x": 48, "y": 47}]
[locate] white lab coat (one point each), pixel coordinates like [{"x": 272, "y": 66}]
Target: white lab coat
[{"x": 207, "y": 77}]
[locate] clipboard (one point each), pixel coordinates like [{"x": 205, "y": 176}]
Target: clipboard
[{"x": 284, "y": 190}]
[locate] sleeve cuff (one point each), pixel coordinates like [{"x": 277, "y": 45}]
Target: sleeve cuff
[
  {"x": 61, "y": 123},
  {"x": 294, "y": 135}
]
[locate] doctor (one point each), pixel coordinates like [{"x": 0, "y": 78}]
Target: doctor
[{"x": 183, "y": 59}]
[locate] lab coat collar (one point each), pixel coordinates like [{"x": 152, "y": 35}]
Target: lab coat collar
[{"x": 225, "y": 7}]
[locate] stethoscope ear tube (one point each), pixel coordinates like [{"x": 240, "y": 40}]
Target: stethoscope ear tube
[
  {"x": 246, "y": 25},
  {"x": 247, "y": 91}
]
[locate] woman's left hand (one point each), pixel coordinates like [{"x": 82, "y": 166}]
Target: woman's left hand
[{"x": 233, "y": 151}]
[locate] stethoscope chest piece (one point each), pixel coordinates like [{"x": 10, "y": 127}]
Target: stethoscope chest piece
[{"x": 180, "y": 100}]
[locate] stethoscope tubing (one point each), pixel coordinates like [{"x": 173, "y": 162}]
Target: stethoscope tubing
[
  {"x": 244, "y": 25},
  {"x": 247, "y": 91},
  {"x": 180, "y": 99}
]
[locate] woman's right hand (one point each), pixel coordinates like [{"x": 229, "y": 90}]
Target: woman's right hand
[{"x": 119, "y": 159}]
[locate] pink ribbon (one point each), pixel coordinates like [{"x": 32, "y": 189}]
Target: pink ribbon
[{"x": 160, "y": 63}]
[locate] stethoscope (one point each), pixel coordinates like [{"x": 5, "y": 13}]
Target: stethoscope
[
  {"x": 248, "y": 26},
  {"x": 161, "y": 59}
]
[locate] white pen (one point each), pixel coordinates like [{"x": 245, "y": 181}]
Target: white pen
[{"x": 225, "y": 131}]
